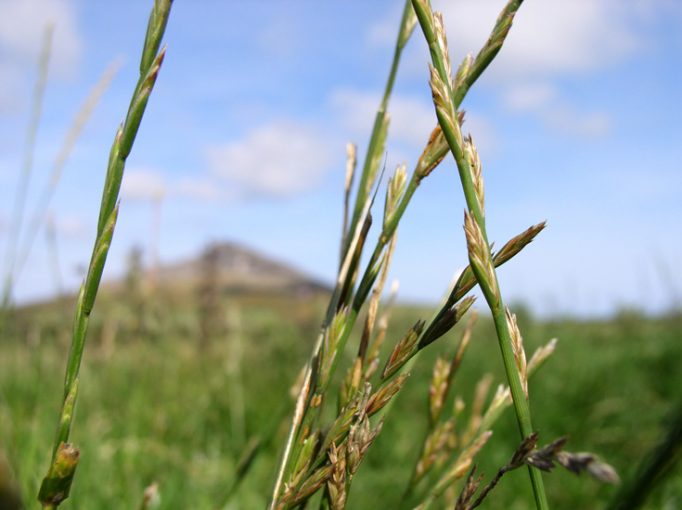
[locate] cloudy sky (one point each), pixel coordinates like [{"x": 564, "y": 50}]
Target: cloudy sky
[{"x": 577, "y": 122}]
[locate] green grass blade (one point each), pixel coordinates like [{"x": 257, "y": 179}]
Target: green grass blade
[{"x": 55, "y": 487}]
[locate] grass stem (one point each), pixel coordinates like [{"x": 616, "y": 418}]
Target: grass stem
[
  {"x": 56, "y": 484},
  {"x": 479, "y": 247}
]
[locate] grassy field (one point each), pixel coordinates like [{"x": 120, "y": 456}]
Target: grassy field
[{"x": 155, "y": 406}]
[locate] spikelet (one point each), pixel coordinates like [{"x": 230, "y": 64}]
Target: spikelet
[
  {"x": 403, "y": 350},
  {"x": 435, "y": 446},
  {"x": 476, "y": 168},
  {"x": 351, "y": 165},
  {"x": 436, "y": 149},
  {"x": 440, "y": 91},
  {"x": 463, "y": 71},
  {"x": 479, "y": 257},
  {"x": 464, "y": 461},
  {"x": 384, "y": 394},
  {"x": 394, "y": 192},
  {"x": 517, "y": 347},
  {"x": 540, "y": 355},
  {"x": 517, "y": 243},
  {"x": 336, "y": 485},
  {"x": 438, "y": 388},
  {"x": 442, "y": 43}
]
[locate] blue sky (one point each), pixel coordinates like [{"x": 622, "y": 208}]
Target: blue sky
[{"x": 577, "y": 122}]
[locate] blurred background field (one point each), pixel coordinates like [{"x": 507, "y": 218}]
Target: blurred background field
[{"x": 157, "y": 405}]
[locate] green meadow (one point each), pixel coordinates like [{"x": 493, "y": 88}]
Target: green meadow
[{"x": 156, "y": 406}]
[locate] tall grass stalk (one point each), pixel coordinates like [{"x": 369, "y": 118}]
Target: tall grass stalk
[
  {"x": 57, "y": 483},
  {"x": 352, "y": 242},
  {"x": 27, "y": 166},
  {"x": 443, "y": 85},
  {"x": 301, "y": 467},
  {"x": 377, "y": 139}
]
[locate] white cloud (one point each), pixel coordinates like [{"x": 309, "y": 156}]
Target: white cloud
[
  {"x": 201, "y": 188},
  {"x": 529, "y": 96},
  {"x": 22, "y": 28},
  {"x": 412, "y": 118},
  {"x": 73, "y": 227},
  {"x": 277, "y": 159},
  {"x": 143, "y": 184},
  {"x": 549, "y": 36},
  {"x": 22, "y": 25},
  {"x": 550, "y": 39},
  {"x": 567, "y": 120},
  {"x": 148, "y": 184},
  {"x": 542, "y": 100}
]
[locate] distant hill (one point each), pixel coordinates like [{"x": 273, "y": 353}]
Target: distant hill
[{"x": 239, "y": 269}]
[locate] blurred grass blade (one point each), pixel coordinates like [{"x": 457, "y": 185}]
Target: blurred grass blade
[
  {"x": 27, "y": 166},
  {"x": 79, "y": 122},
  {"x": 653, "y": 469}
]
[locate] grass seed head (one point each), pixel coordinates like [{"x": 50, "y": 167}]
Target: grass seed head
[
  {"x": 448, "y": 317},
  {"x": 474, "y": 160},
  {"x": 501, "y": 400},
  {"x": 438, "y": 388},
  {"x": 547, "y": 457},
  {"x": 465, "y": 460},
  {"x": 394, "y": 192},
  {"x": 442, "y": 42},
  {"x": 384, "y": 394},
  {"x": 540, "y": 355},
  {"x": 437, "y": 445},
  {"x": 309, "y": 487},
  {"x": 440, "y": 91},
  {"x": 351, "y": 164},
  {"x": 479, "y": 256},
  {"x": 332, "y": 337},
  {"x": 468, "y": 491},
  {"x": 404, "y": 350},
  {"x": 360, "y": 438},
  {"x": 517, "y": 243},
  {"x": 517, "y": 347},
  {"x": 378, "y": 154},
  {"x": 480, "y": 395},
  {"x": 336, "y": 485},
  {"x": 152, "y": 497},
  {"x": 463, "y": 71},
  {"x": 435, "y": 151},
  {"x": 408, "y": 26}
]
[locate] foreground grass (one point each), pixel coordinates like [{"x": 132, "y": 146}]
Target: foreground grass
[{"x": 158, "y": 408}]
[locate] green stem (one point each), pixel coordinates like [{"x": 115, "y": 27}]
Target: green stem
[
  {"x": 123, "y": 142},
  {"x": 449, "y": 124},
  {"x": 366, "y": 182},
  {"x": 368, "y": 171},
  {"x": 303, "y": 412}
]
